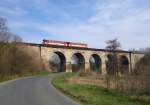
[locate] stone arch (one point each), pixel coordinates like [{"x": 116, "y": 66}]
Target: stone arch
[
  {"x": 123, "y": 64},
  {"x": 57, "y": 62},
  {"x": 77, "y": 62},
  {"x": 110, "y": 64},
  {"x": 95, "y": 63}
]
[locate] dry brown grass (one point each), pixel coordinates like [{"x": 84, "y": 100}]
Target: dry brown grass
[{"x": 126, "y": 83}]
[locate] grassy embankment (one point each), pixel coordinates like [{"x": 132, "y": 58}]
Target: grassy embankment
[
  {"x": 10, "y": 77},
  {"x": 94, "y": 95}
]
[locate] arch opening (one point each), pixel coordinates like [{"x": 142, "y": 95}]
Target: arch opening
[
  {"x": 110, "y": 64},
  {"x": 77, "y": 62},
  {"x": 57, "y": 62},
  {"x": 95, "y": 63},
  {"x": 123, "y": 64}
]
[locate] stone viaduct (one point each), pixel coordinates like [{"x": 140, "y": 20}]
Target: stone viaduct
[{"x": 65, "y": 54}]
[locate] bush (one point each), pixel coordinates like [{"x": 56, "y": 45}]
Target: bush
[
  {"x": 17, "y": 59},
  {"x": 136, "y": 82},
  {"x": 143, "y": 66}
]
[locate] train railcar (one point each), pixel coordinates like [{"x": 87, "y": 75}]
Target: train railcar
[{"x": 63, "y": 43}]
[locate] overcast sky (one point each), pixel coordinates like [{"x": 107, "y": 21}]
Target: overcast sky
[{"x": 89, "y": 21}]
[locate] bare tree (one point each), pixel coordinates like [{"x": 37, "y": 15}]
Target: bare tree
[
  {"x": 3, "y": 25},
  {"x": 4, "y": 34},
  {"x": 143, "y": 65},
  {"x": 141, "y": 50},
  {"x": 113, "y": 45},
  {"x": 15, "y": 58},
  {"x": 16, "y": 38}
]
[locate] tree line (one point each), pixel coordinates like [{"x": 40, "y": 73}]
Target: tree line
[{"x": 15, "y": 59}]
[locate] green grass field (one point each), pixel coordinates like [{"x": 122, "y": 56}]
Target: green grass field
[{"x": 94, "y": 95}]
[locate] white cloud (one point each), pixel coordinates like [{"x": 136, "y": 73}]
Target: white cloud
[
  {"x": 127, "y": 20},
  {"x": 115, "y": 19}
]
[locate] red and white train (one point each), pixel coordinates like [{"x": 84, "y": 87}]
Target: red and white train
[{"x": 62, "y": 43}]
